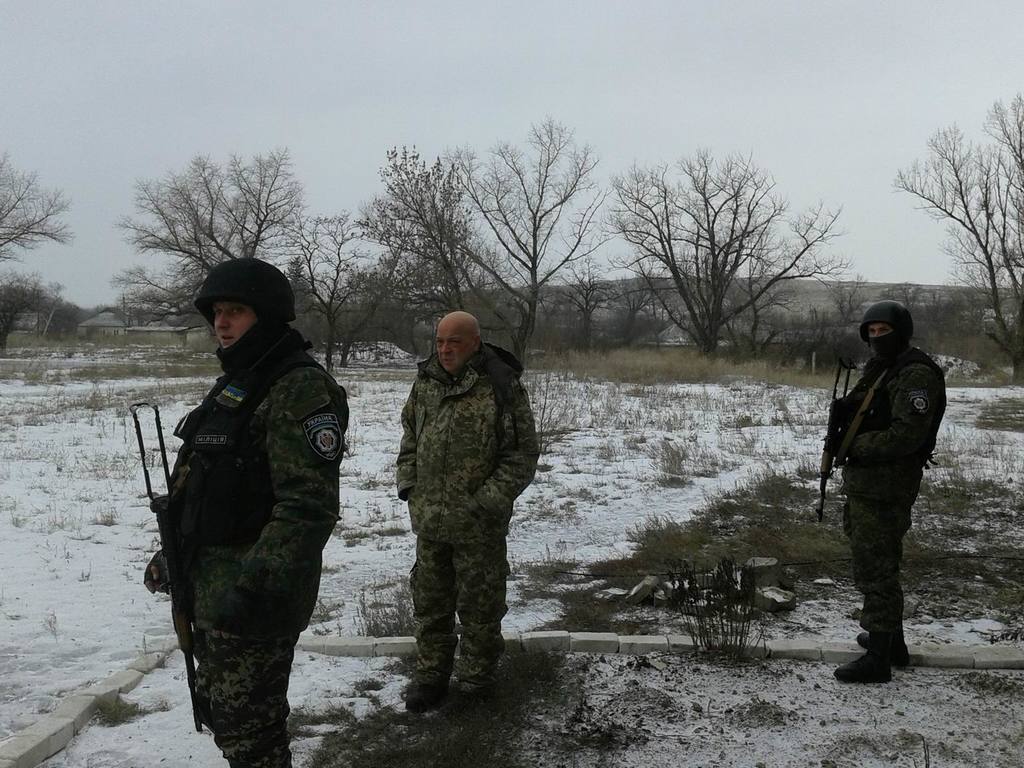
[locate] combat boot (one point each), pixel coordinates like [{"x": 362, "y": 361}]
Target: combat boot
[
  {"x": 419, "y": 697},
  {"x": 873, "y": 666},
  {"x": 899, "y": 655}
]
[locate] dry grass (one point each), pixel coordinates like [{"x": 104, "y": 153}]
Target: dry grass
[{"x": 646, "y": 366}]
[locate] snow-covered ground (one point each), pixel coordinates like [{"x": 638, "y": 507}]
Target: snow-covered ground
[{"x": 75, "y": 529}]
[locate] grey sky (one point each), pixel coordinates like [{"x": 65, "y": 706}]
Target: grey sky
[{"x": 831, "y": 97}]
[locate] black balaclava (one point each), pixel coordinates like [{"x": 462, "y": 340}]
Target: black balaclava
[
  {"x": 890, "y": 345},
  {"x": 252, "y": 345}
]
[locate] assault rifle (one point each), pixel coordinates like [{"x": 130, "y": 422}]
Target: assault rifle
[
  {"x": 833, "y": 432},
  {"x": 176, "y": 584},
  {"x": 840, "y": 433}
]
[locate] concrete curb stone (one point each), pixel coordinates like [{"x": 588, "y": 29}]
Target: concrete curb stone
[
  {"x": 937, "y": 655},
  {"x": 349, "y": 646},
  {"x": 550, "y": 640},
  {"x": 593, "y": 642},
  {"x": 639, "y": 645},
  {"x": 79, "y": 708},
  {"x": 147, "y": 662},
  {"x": 840, "y": 653},
  {"x": 513, "y": 642},
  {"x": 800, "y": 650},
  {"x": 681, "y": 644},
  {"x": 999, "y": 657},
  {"x": 44, "y": 738},
  {"x": 394, "y": 646}
]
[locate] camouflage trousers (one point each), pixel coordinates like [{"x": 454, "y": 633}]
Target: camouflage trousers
[
  {"x": 242, "y": 683},
  {"x": 467, "y": 579},
  {"x": 876, "y": 529}
]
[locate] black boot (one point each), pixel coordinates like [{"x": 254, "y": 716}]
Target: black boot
[
  {"x": 873, "y": 666},
  {"x": 419, "y": 697},
  {"x": 898, "y": 653}
]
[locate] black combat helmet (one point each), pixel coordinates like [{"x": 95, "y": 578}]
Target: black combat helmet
[
  {"x": 252, "y": 282},
  {"x": 891, "y": 312}
]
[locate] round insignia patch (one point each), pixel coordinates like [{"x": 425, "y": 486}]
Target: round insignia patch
[{"x": 919, "y": 403}]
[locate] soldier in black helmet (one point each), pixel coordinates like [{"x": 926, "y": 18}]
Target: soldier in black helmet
[
  {"x": 903, "y": 396},
  {"x": 255, "y": 491}
]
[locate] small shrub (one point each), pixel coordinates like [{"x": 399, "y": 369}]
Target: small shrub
[
  {"x": 385, "y": 612},
  {"x": 716, "y": 607},
  {"x": 107, "y": 517},
  {"x": 671, "y": 460}
]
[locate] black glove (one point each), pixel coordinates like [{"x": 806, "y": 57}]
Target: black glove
[
  {"x": 158, "y": 504},
  {"x": 236, "y": 612},
  {"x": 155, "y": 576}
]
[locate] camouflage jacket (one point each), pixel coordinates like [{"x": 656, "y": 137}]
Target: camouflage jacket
[
  {"x": 885, "y": 459},
  {"x": 281, "y": 568},
  {"x": 469, "y": 447}
]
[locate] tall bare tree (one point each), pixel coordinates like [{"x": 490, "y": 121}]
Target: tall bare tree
[
  {"x": 29, "y": 214},
  {"x": 978, "y": 191},
  {"x": 422, "y": 220},
  {"x": 710, "y": 227},
  {"x": 340, "y": 283},
  {"x": 588, "y": 291},
  {"x": 19, "y": 294},
  {"x": 538, "y": 208},
  {"x": 206, "y": 214}
]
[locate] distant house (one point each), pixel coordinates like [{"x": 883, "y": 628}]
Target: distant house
[
  {"x": 190, "y": 336},
  {"x": 106, "y": 323}
]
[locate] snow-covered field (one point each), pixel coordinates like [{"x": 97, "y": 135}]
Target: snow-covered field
[{"x": 75, "y": 531}]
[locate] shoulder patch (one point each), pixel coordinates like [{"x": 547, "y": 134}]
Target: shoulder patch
[
  {"x": 918, "y": 400},
  {"x": 309, "y": 405},
  {"x": 323, "y": 431}
]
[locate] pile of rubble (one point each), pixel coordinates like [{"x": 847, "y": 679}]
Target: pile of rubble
[{"x": 773, "y": 588}]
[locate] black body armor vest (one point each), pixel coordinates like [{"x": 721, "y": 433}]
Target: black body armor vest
[
  {"x": 229, "y": 495},
  {"x": 879, "y": 415}
]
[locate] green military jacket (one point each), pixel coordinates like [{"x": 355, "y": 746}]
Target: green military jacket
[
  {"x": 885, "y": 459},
  {"x": 282, "y": 567},
  {"x": 469, "y": 447}
]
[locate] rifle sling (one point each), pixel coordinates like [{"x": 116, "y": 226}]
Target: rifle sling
[{"x": 858, "y": 417}]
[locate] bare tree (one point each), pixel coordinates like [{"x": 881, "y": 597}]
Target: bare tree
[
  {"x": 978, "y": 190},
  {"x": 588, "y": 291},
  {"x": 716, "y": 225},
  {"x": 207, "y": 214},
  {"x": 848, "y": 297},
  {"x": 422, "y": 220},
  {"x": 19, "y": 294},
  {"x": 538, "y": 209},
  {"x": 634, "y": 309},
  {"x": 341, "y": 284},
  {"x": 29, "y": 214}
]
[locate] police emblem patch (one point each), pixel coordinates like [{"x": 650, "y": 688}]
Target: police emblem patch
[
  {"x": 919, "y": 400},
  {"x": 324, "y": 435}
]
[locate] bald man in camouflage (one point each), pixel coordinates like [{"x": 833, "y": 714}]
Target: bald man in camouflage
[{"x": 469, "y": 448}]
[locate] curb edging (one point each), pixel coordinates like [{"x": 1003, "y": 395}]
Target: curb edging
[{"x": 53, "y": 732}]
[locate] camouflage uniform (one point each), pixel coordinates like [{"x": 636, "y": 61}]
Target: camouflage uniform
[
  {"x": 883, "y": 474},
  {"x": 258, "y": 499},
  {"x": 469, "y": 448}
]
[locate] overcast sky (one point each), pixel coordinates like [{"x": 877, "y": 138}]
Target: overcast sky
[{"x": 831, "y": 98}]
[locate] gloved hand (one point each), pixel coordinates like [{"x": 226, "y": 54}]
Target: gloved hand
[
  {"x": 236, "y": 612},
  {"x": 155, "y": 577},
  {"x": 158, "y": 504}
]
